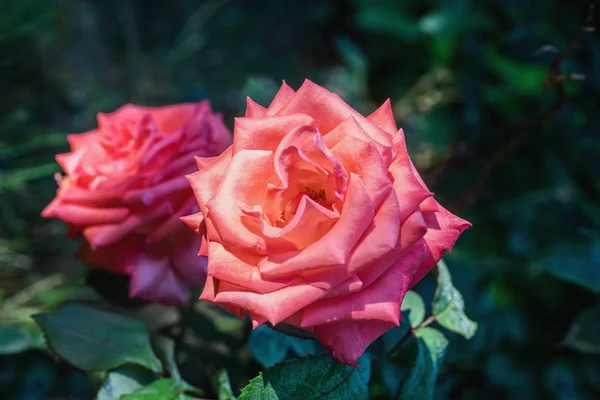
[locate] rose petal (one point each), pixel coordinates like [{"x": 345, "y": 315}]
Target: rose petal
[
  {"x": 411, "y": 235},
  {"x": 219, "y": 136},
  {"x": 184, "y": 164},
  {"x": 194, "y": 221},
  {"x": 348, "y": 340},
  {"x": 101, "y": 235},
  {"x": 162, "y": 151},
  {"x": 407, "y": 186},
  {"x": 205, "y": 182},
  {"x": 351, "y": 128},
  {"x": 173, "y": 117},
  {"x": 308, "y": 225},
  {"x": 79, "y": 141},
  {"x": 118, "y": 258},
  {"x": 303, "y": 159},
  {"x": 274, "y": 306},
  {"x": 204, "y": 247},
  {"x": 384, "y": 117},
  {"x": 334, "y": 248},
  {"x": 185, "y": 260},
  {"x": 309, "y": 142},
  {"x": 284, "y": 94},
  {"x": 158, "y": 192},
  {"x": 243, "y": 183},
  {"x": 106, "y": 196},
  {"x": 363, "y": 159},
  {"x": 329, "y": 110},
  {"x": 173, "y": 225},
  {"x": 154, "y": 280},
  {"x": 351, "y": 285},
  {"x": 326, "y": 108},
  {"x": 82, "y": 215},
  {"x": 440, "y": 240},
  {"x": 265, "y": 133},
  {"x": 379, "y": 301},
  {"x": 253, "y": 109},
  {"x": 69, "y": 162},
  {"x": 126, "y": 113},
  {"x": 240, "y": 270}
]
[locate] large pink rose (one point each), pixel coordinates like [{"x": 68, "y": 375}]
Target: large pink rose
[
  {"x": 125, "y": 189},
  {"x": 316, "y": 217}
]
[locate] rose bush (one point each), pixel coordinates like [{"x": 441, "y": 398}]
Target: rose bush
[
  {"x": 316, "y": 217},
  {"x": 125, "y": 189}
]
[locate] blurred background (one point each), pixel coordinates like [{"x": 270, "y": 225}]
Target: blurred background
[{"x": 499, "y": 102}]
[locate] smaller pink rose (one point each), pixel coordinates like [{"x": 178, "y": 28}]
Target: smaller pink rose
[{"x": 125, "y": 189}]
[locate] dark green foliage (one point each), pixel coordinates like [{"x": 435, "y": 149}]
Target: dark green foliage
[
  {"x": 584, "y": 333},
  {"x": 270, "y": 347},
  {"x": 464, "y": 78},
  {"x": 420, "y": 382},
  {"x": 166, "y": 389},
  {"x": 123, "y": 380},
  {"x": 314, "y": 377},
  {"x": 95, "y": 340},
  {"x": 14, "y": 339},
  {"x": 222, "y": 386}
]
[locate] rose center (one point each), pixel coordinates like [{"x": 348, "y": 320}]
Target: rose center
[
  {"x": 318, "y": 196},
  {"x": 289, "y": 211}
]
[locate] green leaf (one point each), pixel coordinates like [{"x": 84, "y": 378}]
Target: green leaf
[
  {"x": 261, "y": 89},
  {"x": 313, "y": 377},
  {"x": 270, "y": 347},
  {"x": 353, "y": 56},
  {"x": 578, "y": 265},
  {"x": 420, "y": 382},
  {"x": 162, "y": 389},
  {"x": 17, "y": 178},
  {"x": 561, "y": 381},
  {"x": 123, "y": 380},
  {"x": 449, "y": 306},
  {"x": 14, "y": 339},
  {"x": 36, "y": 381},
  {"x": 414, "y": 304},
  {"x": 524, "y": 79},
  {"x": 165, "y": 351},
  {"x": 391, "y": 374},
  {"x": 56, "y": 297},
  {"x": 390, "y": 339},
  {"x": 223, "y": 386},
  {"x": 583, "y": 333},
  {"x": 394, "y": 22},
  {"x": 91, "y": 339}
]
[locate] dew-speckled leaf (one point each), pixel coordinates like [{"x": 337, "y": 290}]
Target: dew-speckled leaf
[
  {"x": 91, "y": 339},
  {"x": 413, "y": 303},
  {"x": 449, "y": 306},
  {"x": 313, "y": 377}
]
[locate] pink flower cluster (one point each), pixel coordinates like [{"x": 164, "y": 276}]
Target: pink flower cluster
[{"x": 314, "y": 216}]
